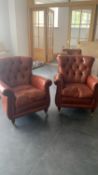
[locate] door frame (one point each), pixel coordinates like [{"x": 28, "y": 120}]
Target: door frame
[{"x": 47, "y": 31}]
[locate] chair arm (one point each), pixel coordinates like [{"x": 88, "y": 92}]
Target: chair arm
[
  {"x": 41, "y": 82},
  {"x": 92, "y": 83},
  {"x": 6, "y": 90},
  {"x": 58, "y": 79}
]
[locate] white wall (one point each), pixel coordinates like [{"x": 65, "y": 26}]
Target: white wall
[
  {"x": 19, "y": 26},
  {"x": 22, "y": 26},
  {"x": 60, "y": 33},
  {"x": 14, "y": 26},
  {"x": 5, "y": 35},
  {"x": 13, "y": 29}
]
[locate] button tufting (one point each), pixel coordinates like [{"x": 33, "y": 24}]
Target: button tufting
[
  {"x": 12, "y": 62},
  {"x": 23, "y": 76},
  {"x": 15, "y": 77},
  {"x": 26, "y": 68},
  {"x": 80, "y": 73}
]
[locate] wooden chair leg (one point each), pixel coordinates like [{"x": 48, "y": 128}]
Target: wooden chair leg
[
  {"x": 59, "y": 108},
  {"x": 92, "y": 112},
  {"x": 46, "y": 112},
  {"x": 13, "y": 121}
]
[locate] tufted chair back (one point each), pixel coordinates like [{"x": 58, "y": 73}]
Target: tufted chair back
[
  {"x": 16, "y": 71},
  {"x": 72, "y": 51},
  {"x": 75, "y": 69}
]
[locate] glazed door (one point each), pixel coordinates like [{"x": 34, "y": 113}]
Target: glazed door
[
  {"x": 80, "y": 25},
  {"x": 42, "y": 35},
  {"x": 38, "y": 38}
]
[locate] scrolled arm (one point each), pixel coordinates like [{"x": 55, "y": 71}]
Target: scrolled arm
[
  {"x": 6, "y": 90},
  {"x": 58, "y": 79},
  {"x": 41, "y": 82},
  {"x": 92, "y": 83}
]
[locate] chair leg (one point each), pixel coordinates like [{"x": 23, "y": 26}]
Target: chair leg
[
  {"x": 13, "y": 121},
  {"x": 46, "y": 112},
  {"x": 92, "y": 112},
  {"x": 59, "y": 108}
]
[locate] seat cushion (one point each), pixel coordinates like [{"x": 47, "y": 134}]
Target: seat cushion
[
  {"x": 77, "y": 90},
  {"x": 76, "y": 101},
  {"x": 27, "y": 95}
]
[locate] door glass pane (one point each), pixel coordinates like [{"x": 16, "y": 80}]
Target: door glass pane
[
  {"x": 38, "y": 35},
  {"x": 76, "y": 14},
  {"x": 73, "y": 43},
  {"x": 85, "y": 24},
  {"x": 75, "y": 27},
  {"x": 84, "y": 32},
  {"x": 85, "y": 18},
  {"x": 80, "y": 26},
  {"x": 74, "y": 32},
  {"x": 56, "y": 14}
]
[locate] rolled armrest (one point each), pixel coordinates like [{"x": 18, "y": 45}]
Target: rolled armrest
[
  {"x": 6, "y": 90},
  {"x": 41, "y": 82},
  {"x": 92, "y": 82},
  {"x": 58, "y": 79}
]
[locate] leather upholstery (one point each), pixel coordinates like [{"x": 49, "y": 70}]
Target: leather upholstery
[
  {"x": 75, "y": 69},
  {"x": 28, "y": 96},
  {"x": 17, "y": 72},
  {"x": 72, "y": 51},
  {"x": 75, "y": 85},
  {"x": 22, "y": 92},
  {"x": 77, "y": 90}
]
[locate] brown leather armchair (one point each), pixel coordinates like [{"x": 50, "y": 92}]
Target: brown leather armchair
[
  {"x": 22, "y": 93},
  {"x": 76, "y": 87},
  {"x": 72, "y": 51}
]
